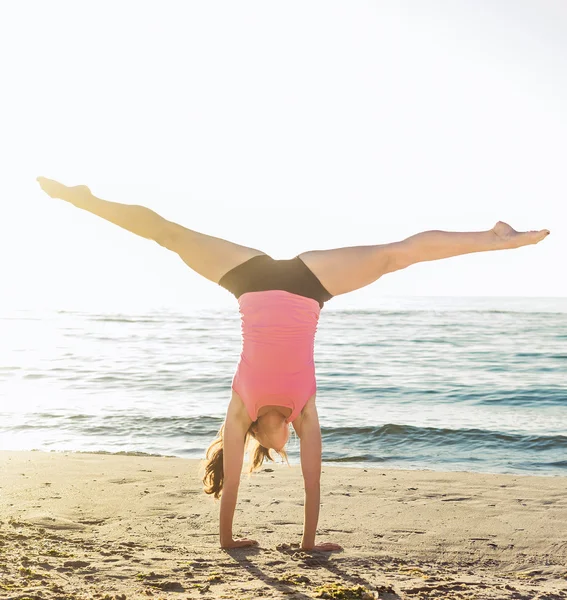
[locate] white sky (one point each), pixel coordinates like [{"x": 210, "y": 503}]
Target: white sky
[{"x": 285, "y": 126}]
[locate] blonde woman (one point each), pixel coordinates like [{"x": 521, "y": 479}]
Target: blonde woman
[{"x": 280, "y": 303}]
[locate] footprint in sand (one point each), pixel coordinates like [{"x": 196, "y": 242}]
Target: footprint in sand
[
  {"x": 123, "y": 481},
  {"x": 280, "y": 522},
  {"x": 76, "y": 564},
  {"x": 455, "y": 499},
  {"x": 408, "y": 531},
  {"x": 92, "y": 521}
]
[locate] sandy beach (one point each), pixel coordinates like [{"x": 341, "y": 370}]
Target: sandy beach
[{"x": 78, "y": 525}]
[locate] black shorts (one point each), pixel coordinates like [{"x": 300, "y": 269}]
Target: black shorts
[{"x": 262, "y": 273}]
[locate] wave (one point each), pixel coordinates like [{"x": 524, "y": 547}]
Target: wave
[
  {"x": 124, "y": 320},
  {"x": 120, "y": 425},
  {"x": 394, "y": 444},
  {"x": 537, "y": 396},
  {"x": 441, "y": 311},
  {"x": 434, "y": 436},
  {"x": 120, "y": 453},
  {"x": 540, "y": 355},
  {"x": 354, "y": 437},
  {"x": 540, "y": 396}
]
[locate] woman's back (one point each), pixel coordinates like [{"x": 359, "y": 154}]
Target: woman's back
[{"x": 276, "y": 364}]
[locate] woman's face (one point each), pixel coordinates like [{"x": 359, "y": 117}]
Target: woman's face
[{"x": 271, "y": 430}]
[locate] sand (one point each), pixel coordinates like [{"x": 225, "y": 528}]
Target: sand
[{"x": 77, "y": 525}]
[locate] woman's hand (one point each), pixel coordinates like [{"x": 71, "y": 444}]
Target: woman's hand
[
  {"x": 58, "y": 190},
  {"x": 239, "y": 543},
  {"x": 324, "y": 547}
]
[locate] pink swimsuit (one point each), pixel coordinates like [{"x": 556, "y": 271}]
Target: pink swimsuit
[{"x": 276, "y": 364}]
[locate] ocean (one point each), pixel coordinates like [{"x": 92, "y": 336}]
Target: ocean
[{"x": 447, "y": 384}]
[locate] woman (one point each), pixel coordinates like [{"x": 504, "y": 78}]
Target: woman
[{"x": 280, "y": 303}]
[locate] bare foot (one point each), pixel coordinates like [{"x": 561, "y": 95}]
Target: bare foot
[
  {"x": 324, "y": 547},
  {"x": 58, "y": 190},
  {"x": 511, "y": 238}
]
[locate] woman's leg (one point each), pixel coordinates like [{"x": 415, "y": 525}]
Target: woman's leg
[
  {"x": 343, "y": 270},
  {"x": 207, "y": 255},
  {"x": 212, "y": 257}
]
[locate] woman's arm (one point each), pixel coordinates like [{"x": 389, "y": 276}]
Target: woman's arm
[
  {"x": 311, "y": 452},
  {"x": 310, "y": 449},
  {"x": 138, "y": 219},
  {"x": 235, "y": 428}
]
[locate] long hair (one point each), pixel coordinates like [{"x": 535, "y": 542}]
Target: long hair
[{"x": 213, "y": 479}]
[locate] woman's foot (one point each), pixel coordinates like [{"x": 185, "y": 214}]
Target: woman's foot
[
  {"x": 510, "y": 238},
  {"x": 58, "y": 190}
]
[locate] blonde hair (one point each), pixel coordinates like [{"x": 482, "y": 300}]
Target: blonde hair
[{"x": 213, "y": 479}]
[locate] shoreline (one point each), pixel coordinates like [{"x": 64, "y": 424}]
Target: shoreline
[
  {"x": 89, "y": 524},
  {"x": 340, "y": 464}
]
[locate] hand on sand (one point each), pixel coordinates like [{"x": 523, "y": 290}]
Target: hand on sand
[
  {"x": 58, "y": 190},
  {"x": 510, "y": 238},
  {"x": 239, "y": 543},
  {"x": 324, "y": 547}
]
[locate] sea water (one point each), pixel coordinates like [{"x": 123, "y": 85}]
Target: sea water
[{"x": 475, "y": 384}]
